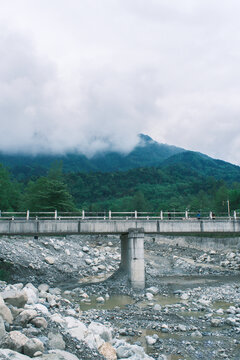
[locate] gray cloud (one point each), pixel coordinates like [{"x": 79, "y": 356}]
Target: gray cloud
[{"x": 89, "y": 76}]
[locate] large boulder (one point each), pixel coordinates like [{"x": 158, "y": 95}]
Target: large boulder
[
  {"x": 56, "y": 341},
  {"x": 57, "y": 355},
  {"x": 75, "y": 327},
  {"x": 32, "y": 293},
  {"x": 2, "y": 328},
  {"x": 14, "y": 340},
  {"x": 6, "y": 354},
  {"x": 108, "y": 351},
  {"x": 98, "y": 329},
  {"x": 15, "y": 298},
  {"x": 5, "y": 313},
  {"x": 39, "y": 322},
  {"x": 26, "y": 316},
  {"x": 32, "y": 346}
]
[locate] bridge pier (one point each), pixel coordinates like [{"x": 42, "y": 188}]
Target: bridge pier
[{"x": 132, "y": 257}]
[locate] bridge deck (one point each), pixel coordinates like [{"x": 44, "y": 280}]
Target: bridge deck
[{"x": 99, "y": 226}]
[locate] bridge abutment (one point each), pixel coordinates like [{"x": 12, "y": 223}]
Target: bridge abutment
[{"x": 132, "y": 257}]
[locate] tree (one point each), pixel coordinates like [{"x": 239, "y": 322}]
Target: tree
[
  {"x": 139, "y": 202},
  {"x": 49, "y": 193},
  {"x": 9, "y": 192}
]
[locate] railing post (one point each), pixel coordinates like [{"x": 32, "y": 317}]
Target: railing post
[
  {"x": 235, "y": 215},
  {"x": 83, "y": 214},
  {"x": 55, "y": 214},
  {"x": 210, "y": 215},
  {"x": 186, "y": 214},
  {"x": 110, "y": 214},
  {"x": 135, "y": 213},
  {"x": 161, "y": 215},
  {"x": 27, "y": 214}
]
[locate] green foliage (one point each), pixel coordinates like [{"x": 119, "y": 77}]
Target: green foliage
[
  {"x": 186, "y": 180},
  {"x": 5, "y": 270},
  {"x": 9, "y": 192},
  {"x": 49, "y": 193}
]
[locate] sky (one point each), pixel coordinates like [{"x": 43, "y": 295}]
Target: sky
[{"x": 90, "y": 75}]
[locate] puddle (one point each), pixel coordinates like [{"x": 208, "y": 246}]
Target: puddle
[
  {"x": 149, "y": 349},
  {"x": 115, "y": 300},
  {"x": 182, "y": 282},
  {"x": 162, "y": 300},
  {"x": 222, "y": 305}
]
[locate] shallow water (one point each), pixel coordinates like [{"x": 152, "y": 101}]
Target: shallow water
[{"x": 115, "y": 300}]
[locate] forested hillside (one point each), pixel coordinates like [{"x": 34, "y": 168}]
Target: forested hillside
[
  {"x": 184, "y": 181},
  {"x": 147, "y": 153}
]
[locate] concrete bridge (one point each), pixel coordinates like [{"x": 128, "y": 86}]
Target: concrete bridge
[{"x": 132, "y": 232}]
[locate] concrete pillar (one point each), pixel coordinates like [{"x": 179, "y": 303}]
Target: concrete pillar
[{"x": 132, "y": 257}]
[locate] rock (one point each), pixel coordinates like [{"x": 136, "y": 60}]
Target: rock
[
  {"x": 32, "y": 346},
  {"x": 98, "y": 329},
  {"x": 157, "y": 307},
  {"x": 100, "y": 299},
  {"x": 231, "y": 321},
  {"x": 75, "y": 327},
  {"x": 50, "y": 260},
  {"x": 215, "y": 322},
  {"x": 204, "y": 302},
  {"x": 56, "y": 341},
  {"x": 164, "y": 328},
  {"x": 153, "y": 290},
  {"x": 43, "y": 288},
  {"x": 108, "y": 351},
  {"x": 56, "y": 355},
  {"x": 134, "y": 352},
  {"x": 41, "y": 308},
  {"x": 40, "y": 322},
  {"x": 57, "y": 318},
  {"x": 184, "y": 296},
  {"x": 182, "y": 327},
  {"x": 150, "y": 340},
  {"x": 93, "y": 341},
  {"x": 124, "y": 352},
  {"x": 88, "y": 261},
  {"x": 149, "y": 296},
  {"x": 6, "y": 354},
  {"x": 25, "y": 317},
  {"x": 37, "y": 353},
  {"x": 101, "y": 267},
  {"x": 5, "y": 313},
  {"x": 32, "y": 294},
  {"x": 14, "y": 340},
  {"x": 67, "y": 252},
  {"x": 2, "y": 328},
  {"x": 85, "y": 249},
  {"x": 15, "y": 298}
]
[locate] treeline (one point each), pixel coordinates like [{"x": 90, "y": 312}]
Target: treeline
[{"x": 145, "y": 189}]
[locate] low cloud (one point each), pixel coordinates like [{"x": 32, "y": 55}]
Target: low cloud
[
  {"x": 104, "y": 110},
  {"x": 87, "y": 77}
]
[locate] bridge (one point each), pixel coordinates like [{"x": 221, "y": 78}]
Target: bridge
[{"x": 131, "y": 226}]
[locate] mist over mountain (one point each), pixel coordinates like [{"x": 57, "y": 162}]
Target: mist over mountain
[{"x": 147, "y": 153}]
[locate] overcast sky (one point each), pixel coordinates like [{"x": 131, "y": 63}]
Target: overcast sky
[{"x": 90, "y": 75}]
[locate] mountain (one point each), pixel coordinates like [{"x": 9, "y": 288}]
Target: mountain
[
  {"x": 203, "y": 165},
  {"x": 147, "y": 153}
]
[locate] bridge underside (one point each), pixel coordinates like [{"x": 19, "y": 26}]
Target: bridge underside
[{"x": 131, "y": 231}]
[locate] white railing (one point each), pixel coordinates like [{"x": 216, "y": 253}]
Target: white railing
[{"x": 120, "y": 215}]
